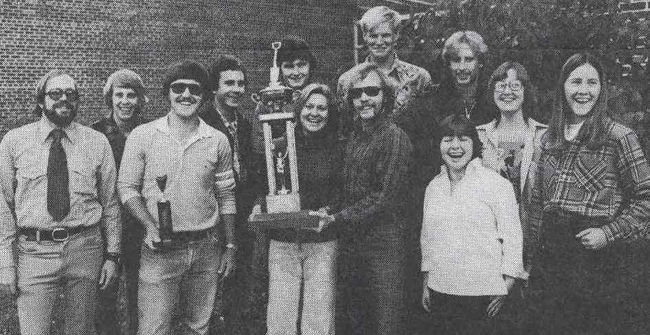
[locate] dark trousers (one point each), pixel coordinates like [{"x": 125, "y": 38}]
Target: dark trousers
[
  {"x": 579, "y": 291},
  {"x": 459, "y": 315},
  {"x": 371, "y": 299}
]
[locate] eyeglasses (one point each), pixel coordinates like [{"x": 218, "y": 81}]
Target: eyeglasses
[
  {"x": 58, "y": 93},
  {"x": 500, "y": 86},
  {"x": 371, "y": 91},
  {"x": 179, "y": 88}
]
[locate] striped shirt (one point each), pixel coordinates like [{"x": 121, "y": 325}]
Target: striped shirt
[
  {"x": 200, "y": 178},
  {"x": 611, "y": 183}
]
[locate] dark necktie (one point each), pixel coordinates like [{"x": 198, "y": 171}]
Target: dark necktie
[{"x": 58, "y": 193}]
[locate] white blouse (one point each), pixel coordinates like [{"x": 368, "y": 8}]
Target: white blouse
[{"x": 473, "y": 237}]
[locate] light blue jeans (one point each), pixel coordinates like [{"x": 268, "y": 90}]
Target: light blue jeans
[
  {"x": 312, "y": 266},
  {"x": 45, "y": 268},
  {"x": 186, "y": 276}
]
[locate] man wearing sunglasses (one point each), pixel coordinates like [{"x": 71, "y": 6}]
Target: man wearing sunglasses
[
  {"x": 60, "y": 207},
  {"x": 196, "y": 162},
  {"x": 381, "y": 27},
  {"x": 375, "y": 180}
]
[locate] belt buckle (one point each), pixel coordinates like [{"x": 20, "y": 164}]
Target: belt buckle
[{"x": 56, "y": 232}]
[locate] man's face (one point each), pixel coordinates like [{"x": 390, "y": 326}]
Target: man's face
[
  {"x": 464, "y": 66},
  {"x": 367, "y": 97},
  {"x": 61, "y": 100},
  {"x": 381, "y": 40},
  {"x": 185, "y": 96},
  {"x": 125, "y": 103},
  {"x": 232, "y": 85},
  {"x": 296, "y": 73}
]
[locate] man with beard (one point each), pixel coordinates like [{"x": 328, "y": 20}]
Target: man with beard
[
  {"x": 124, "y": 95},
  {"x": 228, "y": 79},
  {"x": 381, "y": 26},
  {"x": 195, "y": 160},
  {"x": 59, "y": 206}
]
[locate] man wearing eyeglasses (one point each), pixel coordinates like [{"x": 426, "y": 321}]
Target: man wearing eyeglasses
[
  {"x": 196, "y": 161},
  {"x": 57, "y": 179},
  {"x": 375, "y": 180}
]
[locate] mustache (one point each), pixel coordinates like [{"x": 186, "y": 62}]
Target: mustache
[
  {"x": 186, "y": 99},
  {"x": 463, "y": 72},
  {"x": 60, "y": 104}
]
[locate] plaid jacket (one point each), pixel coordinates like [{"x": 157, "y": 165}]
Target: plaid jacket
[{"x": 611, "y": 183}]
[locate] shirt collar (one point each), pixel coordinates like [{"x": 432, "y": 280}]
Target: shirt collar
[
  {"x": 46, "y": 126},
  {"x": 225, "y": 120},
  {"x": 395, "y": 67},
  {"x": 162, "y": 125},
  {"x": 471, "y": 169}
]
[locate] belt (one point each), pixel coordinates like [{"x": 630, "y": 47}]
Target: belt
[
  {"x": 56, "y": 234},
  {"x": 190, "y": 236}
]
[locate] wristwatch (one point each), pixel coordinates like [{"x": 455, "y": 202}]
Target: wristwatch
[
  {"x": 113, "y": 256},
  {"x": 231, "y": 246}
]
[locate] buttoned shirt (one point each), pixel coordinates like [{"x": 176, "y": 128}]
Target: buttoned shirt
[
  {"x": 411, "y": 81},
  {"x": 200, "y": 178},
  {"x": 471, "y": 237},
  {"x": 24, "y": 156},
  {"x": 610, "y": 182}
]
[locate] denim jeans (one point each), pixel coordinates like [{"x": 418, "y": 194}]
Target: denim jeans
[
  {"x": 312, "y": 266},
  {"x": 45, "y": 268},
  {"x": 372, "y": 270},
  {"x": 187, "y": 276}
]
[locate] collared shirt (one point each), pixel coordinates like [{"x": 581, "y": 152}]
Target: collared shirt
[
  {"x": 411, "y": 81},
  {"x": 610, "y": 182},
  {"x": 24, "y": 156},
  {"x": 116, "y": 138},
  {"x": 232, "y": 129},
  {"x": 200, "y": 178},
  {"x": 471, "y": 237}
]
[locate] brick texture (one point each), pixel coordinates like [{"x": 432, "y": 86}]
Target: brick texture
[{"x": 91, "y": 39}]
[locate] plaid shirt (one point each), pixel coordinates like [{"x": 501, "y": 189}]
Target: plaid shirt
[{"x": 611, "y": 183}]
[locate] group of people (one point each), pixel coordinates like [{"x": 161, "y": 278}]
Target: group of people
[{"x": 451, "y": 196}]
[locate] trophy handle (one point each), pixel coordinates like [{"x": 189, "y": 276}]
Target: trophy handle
[{"x": 256, "y": 98}]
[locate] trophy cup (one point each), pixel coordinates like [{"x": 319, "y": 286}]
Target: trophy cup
[
  {"x": 283, "y": 201},
  {"x": 164, "y": 217}
]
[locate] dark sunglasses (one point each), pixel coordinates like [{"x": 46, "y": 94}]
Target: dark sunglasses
[
  {"x": 58, "y": 93},
  {"x": 371, "y": 91},
  {"x": 179, "y": 88}
]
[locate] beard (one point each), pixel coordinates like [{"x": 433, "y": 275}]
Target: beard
[{"x": 57, "y": 119}]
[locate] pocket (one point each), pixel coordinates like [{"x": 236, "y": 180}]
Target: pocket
[
  {"x": 590, "y": 172},
  {"x": 82, "y": 180}
]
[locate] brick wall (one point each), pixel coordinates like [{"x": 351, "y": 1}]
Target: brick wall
[{"x": 91, "y": 39}]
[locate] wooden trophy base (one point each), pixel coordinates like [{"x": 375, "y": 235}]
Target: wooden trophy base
[{"x": 283, "y": 211}]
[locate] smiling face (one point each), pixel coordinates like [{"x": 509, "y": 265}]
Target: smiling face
[
  {"x": 125, "y": 103},
  {"x": 456, "y": 152},
  {"x": 232, "y": 85},
  {"x": 509, "y": 93},
  {"x": 381, "y": 40},
  {"x": 295, "y": 73},
  {"x": 185, "y": 96},
  {"x": 464, "y": 65},
  {"x": 315, "y": 113},
  {"x": 581, "y": 90},
  {"x": 62, "y": 110},
  {"x": 367, "y": 104}
]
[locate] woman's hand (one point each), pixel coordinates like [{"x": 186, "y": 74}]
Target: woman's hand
[
  {"x": 592, "y": 238},
  {"x": 257, "y": 209}
]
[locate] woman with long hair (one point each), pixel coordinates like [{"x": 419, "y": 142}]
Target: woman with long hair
[{"x": 592, "y": 193}]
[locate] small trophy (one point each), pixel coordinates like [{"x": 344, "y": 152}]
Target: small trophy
[
  {"x": 283, "y": 201},
  {"x": 165, "y": 230}
]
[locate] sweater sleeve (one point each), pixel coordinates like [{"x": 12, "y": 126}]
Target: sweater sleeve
[
  {"x": 427, "y": 232},
  {"x": 391, "y": 169},
  {"x": 506, "y": 212}
]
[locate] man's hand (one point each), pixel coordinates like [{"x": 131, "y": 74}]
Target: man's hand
[
  {"x": 108, "y": 274},
  {"x": 8, "y": 281},
  {"x": 152, "y": 235},
  {"x": 324, "y": 220},
  {"x": 498, "y": 300},
  {"x": 592, "y": 238},
  {"x": 227, "y": 266},
  {"x": 426, "y": 295}
]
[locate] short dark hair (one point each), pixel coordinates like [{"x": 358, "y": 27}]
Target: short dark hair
[
  {"x": 457, "y": 125},
  {"x": 225, "y": 63},
  {"x": 188, "y": 69},
  {"x": 530, "y": 97},
  {"x": 293, "y": 48}
]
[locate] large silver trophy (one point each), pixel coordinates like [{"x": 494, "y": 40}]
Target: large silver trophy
[{"x": 283, "y": 201}]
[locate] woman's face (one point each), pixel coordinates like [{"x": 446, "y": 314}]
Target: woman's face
[
  {"x": 314, "y": 114},
  {"x": 456, "y": 151},
  {"x": 509, "y": 93},
  {"x": 581, "y": 90}
]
